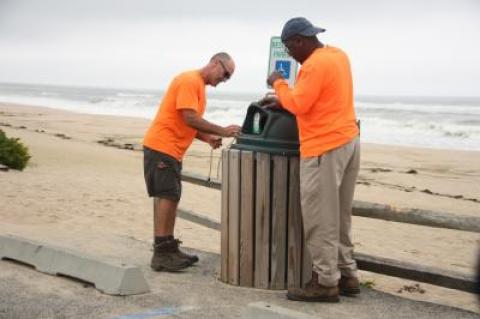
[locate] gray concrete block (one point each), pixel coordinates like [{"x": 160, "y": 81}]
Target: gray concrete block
[
  {"x": 263, "y": 310},
  {"x": 108, "y": 277}
]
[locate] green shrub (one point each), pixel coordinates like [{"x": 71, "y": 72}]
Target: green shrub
[{"x": 12, "y": 152}]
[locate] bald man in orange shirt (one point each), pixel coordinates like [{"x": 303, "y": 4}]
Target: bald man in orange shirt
[
  {"x": 322, "y": 101},
  {"x": 178, "y": 121}
]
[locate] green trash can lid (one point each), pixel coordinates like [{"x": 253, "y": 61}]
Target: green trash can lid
[{"x": 270, "y": 131}]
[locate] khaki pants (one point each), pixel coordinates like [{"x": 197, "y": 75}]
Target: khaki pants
[{"x": 327, "y": 184}]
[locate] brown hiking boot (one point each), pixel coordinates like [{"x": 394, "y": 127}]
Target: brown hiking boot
[
  {"x": 167, "y": 257},
  {"x": 314, "y": 292},
  {"x": 349, "y": 286},
  {"x": 192, "y": 258}
]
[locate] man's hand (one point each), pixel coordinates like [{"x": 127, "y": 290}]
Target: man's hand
[
  {"x": 273, "y": 77},
  {"x": 270, "y": 101},
  {"x": 202, "y": 126},
  {"x": 231, "y": 131},
  {"x": 214, "y": 141}
]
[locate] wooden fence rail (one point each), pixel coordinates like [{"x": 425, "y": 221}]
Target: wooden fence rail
[
  {"x": 379, "y": 211},
  {"x": 385, "y": 266},
  {"x": 430, "y": 275}
]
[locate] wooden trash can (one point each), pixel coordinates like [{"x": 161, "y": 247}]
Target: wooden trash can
[{"x": 261, "y": 233}]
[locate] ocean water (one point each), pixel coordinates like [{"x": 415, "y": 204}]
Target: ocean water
[{"x": 431, "y": 122}]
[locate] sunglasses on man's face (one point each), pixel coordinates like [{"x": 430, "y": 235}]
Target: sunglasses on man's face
[{"x": 226, "y": 74}]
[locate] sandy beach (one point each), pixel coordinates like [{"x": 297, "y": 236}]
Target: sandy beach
[{"x": 84, "y": 189}]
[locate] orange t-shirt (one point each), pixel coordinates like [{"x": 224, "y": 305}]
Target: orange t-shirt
[
  {"x": 322, "y": 101},
  {"x": 168, "y": 132}
]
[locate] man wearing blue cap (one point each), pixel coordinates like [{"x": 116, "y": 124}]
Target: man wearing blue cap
[{"x": 322, "y": 102}]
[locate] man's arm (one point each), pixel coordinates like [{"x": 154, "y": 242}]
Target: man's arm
[
  {"x": 203, "y": 136},
  {"x": 193, "y": 120},
  {"x": 214, "y": 140},
  {"x": 300, "y": 99}
]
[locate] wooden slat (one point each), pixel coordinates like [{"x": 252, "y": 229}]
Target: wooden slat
[
  {"x": 427, "y": 274},
  {"x": 224, "y": 219},
  {"x": 295, "y": 226},
  {"x": 247, "y": 220},
  {"x": 262, "y": 221},
  {"x": 416, "y": 216},
  {"x": 278, "y": 254},
  {"x": 234, "y": 217},
  {"x": 306, "y": 257},
  {"x": 307, "y": 264}
]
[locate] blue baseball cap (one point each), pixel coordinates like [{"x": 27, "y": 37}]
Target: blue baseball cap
[{"x": 300, "y": 26}]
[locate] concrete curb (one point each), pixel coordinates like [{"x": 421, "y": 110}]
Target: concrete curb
[
  {"x": 109, "y": 278},
  {"x": 263, "y": 310}
]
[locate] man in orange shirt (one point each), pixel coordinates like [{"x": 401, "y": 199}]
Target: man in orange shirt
[
  {"x": 322, "y": 101},
  {"x": 178, "y": 121}
]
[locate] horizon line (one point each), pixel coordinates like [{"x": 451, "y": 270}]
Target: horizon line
[{"x": 227, "y": 92}]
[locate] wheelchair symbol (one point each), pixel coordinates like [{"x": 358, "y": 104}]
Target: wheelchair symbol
[{"x": 283, "y": 67}]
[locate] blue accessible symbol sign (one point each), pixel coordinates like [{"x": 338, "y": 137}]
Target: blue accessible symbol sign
[
  {"x": 283, "y": 67},
  {"x": 281, "y": 61}
]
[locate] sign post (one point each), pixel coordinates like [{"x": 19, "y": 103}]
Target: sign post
[{"x": 280, "y": 61}]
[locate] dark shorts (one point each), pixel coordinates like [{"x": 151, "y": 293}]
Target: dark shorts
[{"x": 162, "y": 174}]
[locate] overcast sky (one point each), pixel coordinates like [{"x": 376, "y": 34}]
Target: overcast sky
[{"x": 407, "y": 47}]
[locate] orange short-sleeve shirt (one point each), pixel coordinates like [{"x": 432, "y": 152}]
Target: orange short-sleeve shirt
[
  {"x": 168, "y": 132},
  {"x": 322, "y": 101}
]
